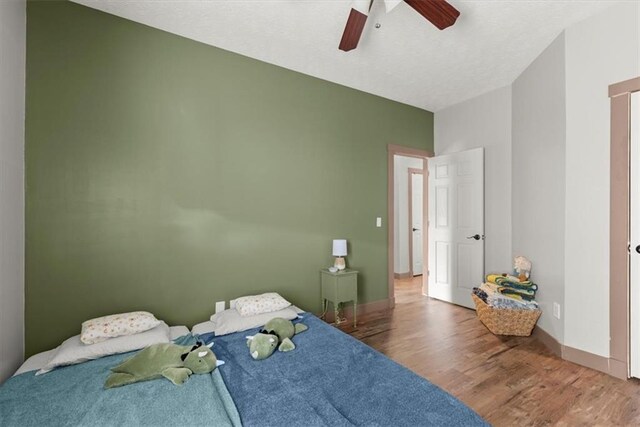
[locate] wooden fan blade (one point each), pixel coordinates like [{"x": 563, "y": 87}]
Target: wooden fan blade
[
  {"x": 438, "y": 12},
  {"x": 353, "y": 30}
]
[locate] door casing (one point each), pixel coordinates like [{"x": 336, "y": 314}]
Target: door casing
[{"x": 619, "y": 226}]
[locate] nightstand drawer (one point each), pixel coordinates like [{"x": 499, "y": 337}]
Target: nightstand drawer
[{"x": 340, "y": 291}]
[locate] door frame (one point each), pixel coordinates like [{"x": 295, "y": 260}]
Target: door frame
[
  {"x": 619, "y": 226},
  {"x": 416, "y": 171},
  {"x": 393, "y": 150}
]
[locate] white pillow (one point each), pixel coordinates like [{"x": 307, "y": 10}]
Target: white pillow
[
  {"x": 203, "y": 328},
  {"x": 73, "y": 351},
  {"x": 230, "y": 321},
  {"x": 258, "y": 304},
  {"x": 116, "y": 325}
]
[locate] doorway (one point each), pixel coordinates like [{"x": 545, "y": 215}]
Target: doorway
[
  {"x": 407, "y": 209},
  {"x": 415, "y": 209},
  {"x": 446, "y": 244}
]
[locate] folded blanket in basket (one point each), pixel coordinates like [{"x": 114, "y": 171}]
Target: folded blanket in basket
[
  {"x": 511, "y": 286},
  {"x": 499, "y": 300},
  {"x": 509, "y": 303},
  {"x": 489, "y": 288},
  {"x": 527, "y": 286},
  {"x": 511, "y": 281},
  {"x": 491, "y": 278},
  {"x": 480, "y": 294},
  {"x": 517, "y": 293}
]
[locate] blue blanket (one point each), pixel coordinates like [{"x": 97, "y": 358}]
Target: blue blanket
[
  {"x": 332, "y": 379},
  {"x": 74, "y": 395}
]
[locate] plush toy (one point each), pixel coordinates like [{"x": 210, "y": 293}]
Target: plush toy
[
  {"x": 276, "y": 332},
  {"x": 522, "y": 268},
  {"x": 174, "y": 362}
]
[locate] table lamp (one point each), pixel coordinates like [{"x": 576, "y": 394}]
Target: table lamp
[{"x": 339, "y": 251}]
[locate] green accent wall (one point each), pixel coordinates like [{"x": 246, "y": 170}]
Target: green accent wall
[{"x": 163, "y": 174}]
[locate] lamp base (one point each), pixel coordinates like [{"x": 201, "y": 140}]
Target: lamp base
[{"x": 340, "y": 263}]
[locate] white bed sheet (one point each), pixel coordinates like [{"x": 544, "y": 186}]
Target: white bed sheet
[{"x": 37, "y": 361}]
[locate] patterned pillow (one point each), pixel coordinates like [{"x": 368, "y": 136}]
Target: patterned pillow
[
  {"x": 116, "y": 325},
  {"x": 258, "y": 304}
]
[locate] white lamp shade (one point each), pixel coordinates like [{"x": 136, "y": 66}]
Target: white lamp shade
[{"x": 339, "y": 247}]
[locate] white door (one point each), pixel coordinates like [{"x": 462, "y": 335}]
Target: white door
[
  {"x": 456, "y": 225},
  {"x": 635, "y": 237},
  {"x": 416, "y": 222}
]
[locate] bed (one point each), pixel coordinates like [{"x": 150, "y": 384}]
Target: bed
[
  {"x": 75, "y": 396},
  {"x": 329, "y": 379}
]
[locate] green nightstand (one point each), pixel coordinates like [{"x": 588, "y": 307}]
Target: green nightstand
[{"x": 338, "y": 288}]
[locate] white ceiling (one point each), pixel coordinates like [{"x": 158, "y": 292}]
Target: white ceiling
[{"x": 407, "y": 59}]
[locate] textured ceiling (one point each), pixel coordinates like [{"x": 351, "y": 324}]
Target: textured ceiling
[{"x": 407, "y": 59}]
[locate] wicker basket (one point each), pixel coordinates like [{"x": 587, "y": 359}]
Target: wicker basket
[{"x": 502, "y": 321}]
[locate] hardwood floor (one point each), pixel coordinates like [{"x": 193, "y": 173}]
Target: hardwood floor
[{"x": 507, "y": 380}]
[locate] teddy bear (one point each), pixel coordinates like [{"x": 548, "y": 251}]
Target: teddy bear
[{"x": 522, "y": 268}]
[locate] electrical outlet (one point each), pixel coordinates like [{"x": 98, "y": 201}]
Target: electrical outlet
[
  {"x": 556, "y": 310},
  {"x": 378, "y": 222},
  {"x": 232, "y": 304},
  {"x": 219, "y": 306}
]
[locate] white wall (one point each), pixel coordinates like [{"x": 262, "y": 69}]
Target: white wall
[
  {"x": 602, "y": 50},
  {"x": 485, "y": 121},
  {"x": 12, "y": 90},
  {"x": 401, "y": 165},
  {"x": 556, "y": 167},
  {"x": 538, "y": 177}
]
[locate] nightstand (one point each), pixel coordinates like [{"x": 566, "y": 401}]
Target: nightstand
[{"x": 338, "y": 288}]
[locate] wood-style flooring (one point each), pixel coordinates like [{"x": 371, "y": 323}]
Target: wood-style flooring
[{"x": 509, "y": 381}]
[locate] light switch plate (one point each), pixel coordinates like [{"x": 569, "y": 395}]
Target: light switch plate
[
  {"x": 378, "y": 222},
  {"x": 556, "y": 310},
  {"x": 232, "y": 303},
  {"x": 219, "y": 306}
]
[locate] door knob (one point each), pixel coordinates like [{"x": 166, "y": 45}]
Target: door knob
[
  {"x": 638, "y": 249},
  {"x": 475, "y": 236},
  {"x": 415, "y": 229}
]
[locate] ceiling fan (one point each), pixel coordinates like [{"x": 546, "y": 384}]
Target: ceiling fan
[{"x": 438, "y": 12}]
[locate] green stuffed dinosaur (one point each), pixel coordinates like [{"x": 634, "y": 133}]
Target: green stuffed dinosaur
[
  {"x": 276, "y": 332},
  {"x": 174, "y": 362}
]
